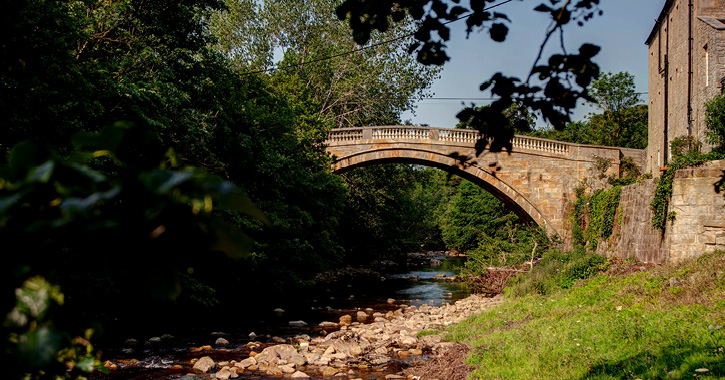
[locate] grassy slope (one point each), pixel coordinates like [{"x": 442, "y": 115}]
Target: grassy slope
[{"x": 664, "y": 323}]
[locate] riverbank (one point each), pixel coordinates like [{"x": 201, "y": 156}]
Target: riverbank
[
  {"x": 630, "y": 321},
  {"x": 353, "y": 350}
]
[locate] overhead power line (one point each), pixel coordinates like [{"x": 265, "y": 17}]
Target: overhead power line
[{"x": 366, "y": 47}]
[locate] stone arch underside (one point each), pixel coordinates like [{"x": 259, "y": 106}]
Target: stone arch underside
[{"x": 518, "y": 203}]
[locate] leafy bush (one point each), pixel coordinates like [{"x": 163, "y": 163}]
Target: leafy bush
[
  {"x": 557, "y": 270},
  {"x": 37, "y": 345},
  {"x": 715, "y": 123},
  {"x": 685, "y": 146},
  {"x": 101, "y": 227}
]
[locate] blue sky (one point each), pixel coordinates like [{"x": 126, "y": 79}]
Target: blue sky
[{"x": 620, "y": 32}]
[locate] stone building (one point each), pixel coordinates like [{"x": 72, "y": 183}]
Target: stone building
[{"x": 686, "y": 68}]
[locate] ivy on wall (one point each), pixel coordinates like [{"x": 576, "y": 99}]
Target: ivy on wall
[
  {"x": 663, "y": 192},
  {"x": 594, "y": 215}
]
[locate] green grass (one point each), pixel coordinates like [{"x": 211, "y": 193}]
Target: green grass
[
  {"x": 428, "y": 332},
  {"x": 660, "y": 324}
]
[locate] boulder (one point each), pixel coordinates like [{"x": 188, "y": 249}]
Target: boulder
[
  {"x": 221, "y": 342},
  {"x": 203, "y": 365},
  {"x": 278, "y": 352}
]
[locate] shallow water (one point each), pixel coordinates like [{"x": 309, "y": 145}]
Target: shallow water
[{"x": 171, "y": 358}]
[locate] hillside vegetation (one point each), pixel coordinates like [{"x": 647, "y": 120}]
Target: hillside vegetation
[{"x": 629, "y": 321}]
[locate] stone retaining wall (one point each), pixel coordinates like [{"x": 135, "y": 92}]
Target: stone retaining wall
[{"x": 699, "y": 224}]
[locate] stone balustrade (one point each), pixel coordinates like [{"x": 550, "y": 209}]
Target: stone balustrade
[{"x": 441, "y": 135}]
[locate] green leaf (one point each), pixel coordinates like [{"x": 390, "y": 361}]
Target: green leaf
[
  {"x": 38, "y": 348},
  {"x": 42, "y": 172},
  {"x": 10, "y": 201}
]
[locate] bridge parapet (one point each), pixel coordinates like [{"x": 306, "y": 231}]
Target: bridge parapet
[
  {"x": 536, "y": 179},
  {"x": 467, "y": 138},
  {"x": 345, "y": 136}
]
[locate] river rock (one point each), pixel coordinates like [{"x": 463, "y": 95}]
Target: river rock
[
  {"x": 408, "y": 341},
  {"x": 329, "y": 371},
  {"x": 203, "y": 365},
  {"x": 252, "y": 335},
  {"x": 299, "y": 375},
  {"x": 223, "y": 375},
  {"x": 279, "y": 311},
  {"x": 246, "y": 362},
  {"x": 298, "y": 323},
  {"x": 361, "y": 315},
  {"x": 345, "y": 320},
  {"x": 275, "y": 371},
  {"x": 394, "y": 377},
  {"x": 276, "y": 353},
  {"x": 221, "y": 342},
  {"x": 326, "y": 324}
]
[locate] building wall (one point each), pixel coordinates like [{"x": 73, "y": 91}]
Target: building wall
[{"x": 669, "y": 60}]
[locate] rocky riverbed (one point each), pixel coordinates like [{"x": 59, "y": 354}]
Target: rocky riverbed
[{"x": 355, "y": 346}]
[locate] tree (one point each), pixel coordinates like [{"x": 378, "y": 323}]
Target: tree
[
  {"x": 615, "y": 92},
  {"x": 622, "y": 122},
  {"x": 472, "y": 216},
  {"x": 551, "y": 89},
  {"x": 627, "y": 128},
  {"x": 370, "y": 86}
]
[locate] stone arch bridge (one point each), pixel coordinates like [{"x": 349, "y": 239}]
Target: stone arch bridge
[{"x": 536, "y": 180}]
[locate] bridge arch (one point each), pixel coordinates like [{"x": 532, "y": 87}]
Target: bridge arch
[
  {"x": 484, "y": 178},
  {"x": 537, "y": 180}
]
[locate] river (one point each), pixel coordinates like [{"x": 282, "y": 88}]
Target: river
[{"x": 169, "y": 357}]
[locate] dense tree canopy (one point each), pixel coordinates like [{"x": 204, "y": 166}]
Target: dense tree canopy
[{"x": 352, "y": 88}]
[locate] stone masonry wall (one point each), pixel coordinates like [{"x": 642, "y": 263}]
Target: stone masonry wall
[
  {"x": 634, "y": 237},
  {"x": 699, "y": 224}
]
